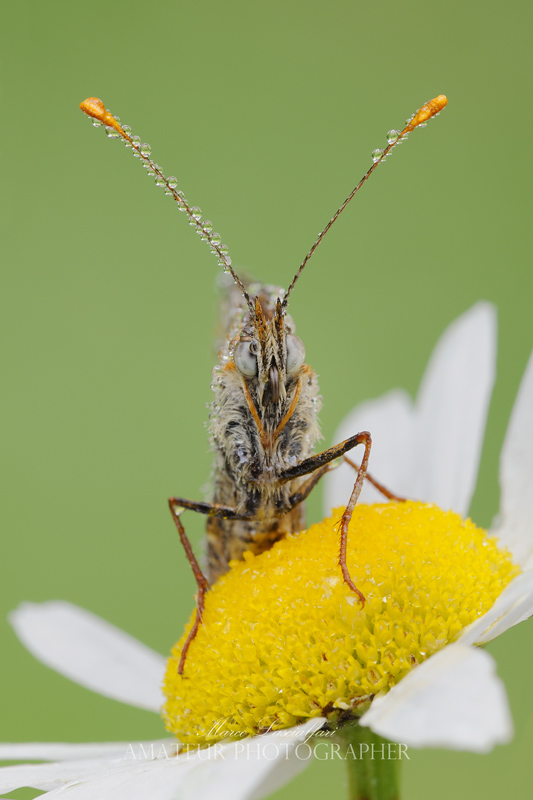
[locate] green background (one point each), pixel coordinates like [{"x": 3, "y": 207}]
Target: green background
[{"x": 267, "y": 113}]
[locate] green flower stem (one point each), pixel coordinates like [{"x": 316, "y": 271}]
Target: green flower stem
[{"x": 372, "y": 762}]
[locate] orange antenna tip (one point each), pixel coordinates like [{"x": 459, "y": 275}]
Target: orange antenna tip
[
  {"x": 427, "y": 111},
  {"x": 422, "y": 116},
  {"x": 94, "y": 107}
]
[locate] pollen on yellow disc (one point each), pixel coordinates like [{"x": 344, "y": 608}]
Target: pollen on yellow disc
[{"x": 284, "y": 639}]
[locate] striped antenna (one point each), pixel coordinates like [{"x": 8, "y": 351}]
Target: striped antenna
[
  {"x": 95, "y": 109},
  {"x": 420, "y": 119}
]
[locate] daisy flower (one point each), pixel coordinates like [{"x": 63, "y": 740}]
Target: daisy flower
[
  {"x": 286, "y": 648},
  {"x": 430, "y": 449},
  {"x": 103, "y": 658}
]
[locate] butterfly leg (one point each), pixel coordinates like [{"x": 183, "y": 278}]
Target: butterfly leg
[
  {"x": 379, "y": 486},
  {"x": 177, "y": 505},
  {"x": 201, "y": 582},
  {"x": 319, "y": 465},
  {"x": 305, "y": 490},
  {"x": 365, "y": 439},
  {"x": 313, "y": 463}
]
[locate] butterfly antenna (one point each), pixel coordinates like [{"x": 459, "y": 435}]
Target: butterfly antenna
[
  {"x": 420, "y": 119},
  {"x": 95, "y": 109}
]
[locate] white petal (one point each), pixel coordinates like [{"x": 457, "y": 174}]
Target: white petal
[
  {"x": 143, "y": 780},
  {"x": 91, "y": 652},
  {"x": 254, "y": 768},
  {"x": 49, "y": 776},
  {"x": 247, "y": 770},
  {"x": 452, "y": 408},
  {"x": 58, "y": 751},
  {"x": 514, "y": 605},
  {"x": 515, "y": 524},
  {"x": 429, "y": 451},
  {"x": 390, "y": 420},
  {"x": 453, "y": 700},
  {"x": 134, "y": 758}
]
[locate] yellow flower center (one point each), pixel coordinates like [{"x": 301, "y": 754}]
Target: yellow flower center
[{"x": 284, "y": 638}]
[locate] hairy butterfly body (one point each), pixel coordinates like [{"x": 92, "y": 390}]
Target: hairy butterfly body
[{"x": 263, "y": 421}]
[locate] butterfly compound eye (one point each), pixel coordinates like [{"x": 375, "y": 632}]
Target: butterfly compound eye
[
  {"x": 295, "y": 353},
  {"x": 245, "y": 359}
]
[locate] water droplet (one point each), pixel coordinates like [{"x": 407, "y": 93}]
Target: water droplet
[
  {"x": 150, "y": 170},
  {"x": 145, "y": 149},
  {"x": 95, "y": 122},
  {"x": 223, "y": 264},
  {"x": 159, "y": 180},
  {"x": 196, "y": 213},
  {"x": 376, "y": 155},
  {"x": 205, "y": 229},
  {"x": 135, "y": 142},
  {"x": 242, "y": 456},
  {"x": 112, "y": 133},
  {"x": 168, "y": 191},
  {"x": 172, "y": 182},
  {"x": 392, "y": 136},
  {"x": 216, "y": 238},
  {"x": 224, "y": 249},
  {"x": 423, "y": 125},
  {"x": 126, "y": 129}
]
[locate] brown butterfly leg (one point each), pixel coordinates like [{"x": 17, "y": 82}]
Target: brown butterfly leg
[
  {"x": 320, "y": 464},
  {"x": 379, "y": 486},
  {"x": 201, "y": 581},
  {"x": 366, "y": 439},
  {"x": 177, "y": 505}
]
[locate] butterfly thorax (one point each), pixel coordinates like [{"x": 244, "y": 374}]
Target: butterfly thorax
[{"x": 263, "y": 421}]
